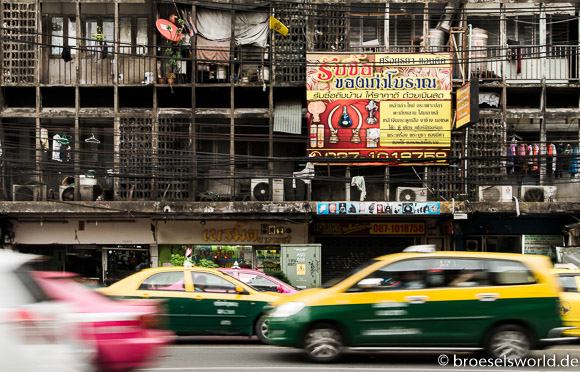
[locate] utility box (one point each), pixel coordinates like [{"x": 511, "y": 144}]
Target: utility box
[{"x": 301, "y": 264}]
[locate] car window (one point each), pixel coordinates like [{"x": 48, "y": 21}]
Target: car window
[
  {"x": 401, "y": 275},
  {"x": 348, "y": 274},
  {"x": 568, "y": 283},
  {"x": 259, "y": 282},
  {"x": 168, "y": 281},
  {"x": 505, "y": 272},
  {"x": 206, "y": 282},
  {"x": 456, "y": 272},
  {"x": 20, "y": 288}
]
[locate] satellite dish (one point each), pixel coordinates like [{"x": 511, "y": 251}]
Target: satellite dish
[
  {"x": 261, "y": 191},
  {"x": 169, "y": 30}
]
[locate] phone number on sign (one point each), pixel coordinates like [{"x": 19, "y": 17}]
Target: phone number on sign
[
  {"x": 402, "y": 157},
  {"x": 397, "y": 228}
]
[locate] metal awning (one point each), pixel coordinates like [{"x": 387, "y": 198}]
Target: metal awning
[{"x": 288, "y": 117}]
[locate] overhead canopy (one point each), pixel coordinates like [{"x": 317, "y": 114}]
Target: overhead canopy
[{"x": 251, "y": 28}]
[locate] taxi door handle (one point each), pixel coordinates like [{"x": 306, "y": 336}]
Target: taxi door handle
[
  {"x": 198, "y": 297},
  {"x": 487, "y": 296},
  {"x": 145, "y": 295},
  {"x": 417, "y": 299}
]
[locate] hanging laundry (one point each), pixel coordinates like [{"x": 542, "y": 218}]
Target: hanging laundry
[
  {"x": 56, "y": 146},
  {"x": 66, "y": 54},
  {"x": 560, "y": 160},
  {"x": 554, "y": 157},
  {"x": 511, "y": 152},
  {"x": 530, "y": 158},
  {"x": 521, "y": 156},
  {"x": 44, "y": 139},
  {"x": 549, "y": 155},
  {"x": 567, "y": 159},
  {"x": 574, "y": 162},
  {"x": 359, "y": 182},
  {"x": 536, "y": 152}
]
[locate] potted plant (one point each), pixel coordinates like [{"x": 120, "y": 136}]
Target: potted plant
[
  {"x": 248, "y": 75},
  {"x": 174, "y": 52}
]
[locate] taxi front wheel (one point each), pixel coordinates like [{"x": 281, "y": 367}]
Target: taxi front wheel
[
  {"x": 509, "y": 341},
  {"x": 323, "y": 344},
  {"x": 262, "y": 329}
]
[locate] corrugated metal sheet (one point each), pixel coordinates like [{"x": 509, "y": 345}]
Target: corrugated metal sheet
[{"x": 288, "y": 117}]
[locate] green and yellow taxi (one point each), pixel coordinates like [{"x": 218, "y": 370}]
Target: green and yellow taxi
[
  {"x": 199, "y": 301},
  {"x": 505, "y": 304},
  {"x": 570, "y": 298}
]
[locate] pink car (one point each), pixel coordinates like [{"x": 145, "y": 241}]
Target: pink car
[
  {"x": 124, "y": 331},
  {"x": 259, "y": 280}
]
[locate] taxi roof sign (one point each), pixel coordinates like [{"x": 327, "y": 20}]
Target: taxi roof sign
[{"x": 424, "y": 248}]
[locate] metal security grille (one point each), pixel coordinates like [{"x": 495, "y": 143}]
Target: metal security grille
[
  {"x": 135, "y": 159},
  {"x": 486, "y": 154},
  {"x": 289, "y": 51},
  {"x": 328, "y": 27},
  {"x": 175, "y": 159},
  {"x": 342, "y": 254},
  {"x": 19, "y": 27},
  {"x": 446, "y": 182}
]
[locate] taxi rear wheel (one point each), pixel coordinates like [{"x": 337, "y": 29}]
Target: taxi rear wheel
[
  {"x": 262, "y": 329},
  {"x": 323, "y": 344},
  {"x": 509, "y": 341}
]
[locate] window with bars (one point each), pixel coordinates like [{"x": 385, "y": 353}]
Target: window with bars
[
  {"x": 63, "y": 31},
  {"x": 406, "y": 24},
  {"x": 367, "y": 22}
]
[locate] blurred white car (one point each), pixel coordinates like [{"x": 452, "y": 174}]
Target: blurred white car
[{"x": 36, "y": 334}]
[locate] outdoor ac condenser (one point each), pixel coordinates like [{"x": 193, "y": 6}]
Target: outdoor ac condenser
[{"x": 411, "y": 194}]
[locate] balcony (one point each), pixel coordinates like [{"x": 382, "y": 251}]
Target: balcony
[{"x": 523, "y": 64}]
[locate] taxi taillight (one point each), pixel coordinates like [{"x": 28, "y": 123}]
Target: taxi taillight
[{"x": 34, "y": 329}]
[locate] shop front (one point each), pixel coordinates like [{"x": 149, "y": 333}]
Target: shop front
[
  {"x": 251, "y": 244},
  {"x": 349, "y": 244},
  {"x": 508, "y": 234},
  {"x": 101, "y": 252}
]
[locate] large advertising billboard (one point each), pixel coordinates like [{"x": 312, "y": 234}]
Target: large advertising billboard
[{"x": 390, "y": 109}]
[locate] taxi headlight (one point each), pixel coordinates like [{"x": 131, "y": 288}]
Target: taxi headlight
[{"x": 287, "y": 309}]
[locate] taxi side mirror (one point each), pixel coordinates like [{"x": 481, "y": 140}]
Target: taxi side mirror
[
  {"x": 240, "y": 290},
  {"x": 370, "y": 283}
]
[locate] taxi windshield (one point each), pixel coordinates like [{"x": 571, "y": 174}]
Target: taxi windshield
[{"x": 340, "y": 278}]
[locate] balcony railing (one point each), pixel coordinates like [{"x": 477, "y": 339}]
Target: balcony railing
[
  {"x": 97, "y": 65},
  {"x": 525, "y": 63}
]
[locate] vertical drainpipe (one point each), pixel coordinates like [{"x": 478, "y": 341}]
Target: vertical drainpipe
[{"x": 466, "y": 189}]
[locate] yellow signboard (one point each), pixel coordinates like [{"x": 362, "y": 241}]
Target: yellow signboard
[
  {"x": 416, "y": 123},
  {"x": 393, "y": 107}
]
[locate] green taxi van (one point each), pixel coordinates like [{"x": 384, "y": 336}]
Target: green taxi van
[{"x": 504, "y": 304}]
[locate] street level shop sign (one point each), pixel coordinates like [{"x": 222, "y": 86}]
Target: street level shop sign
[
  {"x": 331, "y": 228},
  {"x": 379, "y": 109}
]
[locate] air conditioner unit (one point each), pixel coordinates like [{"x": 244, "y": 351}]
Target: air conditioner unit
[
  {"x": 278, "y": 189},
  {"x": 28, "y": 192},
  {"x": 538, "y": 193},
  {"x": 66, "y": 193},
  {"x": 411, "y": 194},
  {"x": 495, "y": 194},
  {"x": 89, "y": 192},
  {"x": 260, "y": 189}
]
